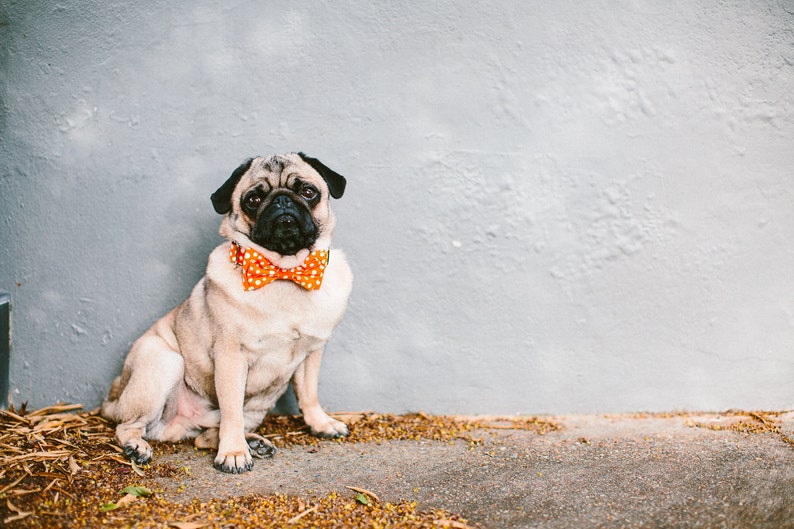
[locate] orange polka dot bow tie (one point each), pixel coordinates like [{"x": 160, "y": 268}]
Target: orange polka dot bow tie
[{"x": 258, "y": 271}]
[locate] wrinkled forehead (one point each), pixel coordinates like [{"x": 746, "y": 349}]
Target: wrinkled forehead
[{"x": 279, "y": 170}]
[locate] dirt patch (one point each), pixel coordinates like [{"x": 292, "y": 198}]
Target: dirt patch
[{"x": 62, "y": 468}]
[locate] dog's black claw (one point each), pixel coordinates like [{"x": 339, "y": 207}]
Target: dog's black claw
[
  {"x": 223, "y": 467},
  {"x": 324, "y": 435},
  {"x": 131, "y": 453}
]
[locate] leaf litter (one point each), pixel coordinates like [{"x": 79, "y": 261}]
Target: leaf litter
[
  {"x": 61, "y": 467},
  {"x": 747, "y": 422}
]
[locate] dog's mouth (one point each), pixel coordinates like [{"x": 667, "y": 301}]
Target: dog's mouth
[{"x": 284, "y": 227}]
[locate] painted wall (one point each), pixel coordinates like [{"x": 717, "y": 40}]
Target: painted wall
[{"x": 552, "y": 206}]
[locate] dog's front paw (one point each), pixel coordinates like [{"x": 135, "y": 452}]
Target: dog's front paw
[
  {"x": 234, "y": 462},
  {"x": 138, "y": 451},
  {"x": 326, "y": 427}
]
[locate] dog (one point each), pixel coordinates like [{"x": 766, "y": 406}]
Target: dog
[{"x": 272, "y": 295}]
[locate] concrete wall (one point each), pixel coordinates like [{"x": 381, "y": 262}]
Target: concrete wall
[{"x": 552, "y": 206}]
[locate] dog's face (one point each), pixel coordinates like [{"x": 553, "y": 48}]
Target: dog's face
[{"x": 280, "y": 202}]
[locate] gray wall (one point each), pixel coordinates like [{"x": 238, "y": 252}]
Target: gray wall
[{"x": 552, "y": 206}]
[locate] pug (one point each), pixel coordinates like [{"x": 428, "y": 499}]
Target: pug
[{"x": 272, "y": 295}]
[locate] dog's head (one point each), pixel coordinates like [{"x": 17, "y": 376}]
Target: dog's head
[{"x": 280, "y": 203}]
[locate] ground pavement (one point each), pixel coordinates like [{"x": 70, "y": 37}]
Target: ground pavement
[{"x": 679, "y": 470}]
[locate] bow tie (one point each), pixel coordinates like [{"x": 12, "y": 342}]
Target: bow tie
[{"x": 258, "y": 271}]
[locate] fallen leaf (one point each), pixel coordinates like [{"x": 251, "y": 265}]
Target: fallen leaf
[
  {"x": 362, "y": 499},
  {"x": 38, "y": 456},
  {"x": 188, "y": 522},
  {"x": 363, "y": 491},
  {"x": 136, "y": 468},
  {"x": 12, "y": 485},
  {"x": 141, "y": 492},
  {"x": 12, "y": 507},
  {"x": 17, "y": 517},
  {"x": 74, "y": 468},
  {"x": 301, "y": 515},
  {"x": 452, "y": 523},
  {"x": 131, "y": 494},
  {"x": 129, "y": 498}
]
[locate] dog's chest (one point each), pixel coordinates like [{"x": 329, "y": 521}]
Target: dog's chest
[
  {"x": 273, "y": 359},
  {"x": 279, "y": 324},
  {"x": 284, "y": 315},
  {"x": 284, "y": 337},
  {"x": 279, "y": 338}
]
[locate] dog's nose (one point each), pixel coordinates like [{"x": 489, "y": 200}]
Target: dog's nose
[
  {"x": 285, "y": 221},
  {"x": 283, "y": 202}
]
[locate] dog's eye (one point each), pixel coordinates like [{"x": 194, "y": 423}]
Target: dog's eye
[
  {"x": 309, "y": 193},
  {"x": 252, "y": 201}
]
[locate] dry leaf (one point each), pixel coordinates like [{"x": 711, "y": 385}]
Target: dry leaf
[
  {"x": 12, "y": 507},
  {"x": 38, "y": 456},
  {"x": 186, "y": 525},
  {"x": 51, "y": 410},
  {"x": 365, "y": 492},
  {"x": 19, "y": 513},
  {"x": 128, "y": 498},
  {"x": 74, "y": 468},
  {"x": 12, "y": 485},
  {"x": 136, "y": 468},
  {"x": 452, "y": 523},
  {"x": 301, "y": 515},
  {"x": 16, "y": 517}
]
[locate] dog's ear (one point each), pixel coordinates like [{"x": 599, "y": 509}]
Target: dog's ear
[
  {"x": 222, "y": 198},
  {"x": 336, "y": 182}
]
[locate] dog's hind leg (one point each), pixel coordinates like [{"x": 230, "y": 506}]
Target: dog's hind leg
[{"x": 154, "y": 372}]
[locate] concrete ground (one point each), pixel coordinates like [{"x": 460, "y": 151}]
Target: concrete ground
[{"x": 595, "y": 472}]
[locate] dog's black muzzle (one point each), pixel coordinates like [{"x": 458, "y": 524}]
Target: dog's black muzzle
[{"x": 285, "y": 226}]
